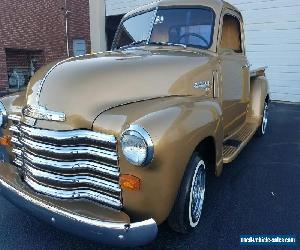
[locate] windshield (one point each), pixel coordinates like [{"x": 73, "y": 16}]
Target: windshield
[{"x": 173, "y": 26}]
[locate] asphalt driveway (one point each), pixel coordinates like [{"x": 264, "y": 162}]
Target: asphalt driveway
[{"x": 257, "y": 194}]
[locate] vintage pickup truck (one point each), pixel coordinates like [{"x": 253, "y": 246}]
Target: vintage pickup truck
[{"x": 109, "y": 145}]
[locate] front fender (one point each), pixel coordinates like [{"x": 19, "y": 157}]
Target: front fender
[{"x": 176, "y": 125}]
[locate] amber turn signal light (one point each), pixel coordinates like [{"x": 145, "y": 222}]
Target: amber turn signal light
[
  {"x": 130, "y": 182},
  {"x": 6, "y": 140}
]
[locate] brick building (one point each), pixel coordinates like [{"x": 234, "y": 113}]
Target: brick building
[{"x": 35, "y": 32}]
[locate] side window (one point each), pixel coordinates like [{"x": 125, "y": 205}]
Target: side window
[{"x": 231, "y": 34}]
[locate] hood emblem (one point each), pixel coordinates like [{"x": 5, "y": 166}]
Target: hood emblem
[
  {"x": 42, "y": 113},
  {"x": 204, "y": 85}
]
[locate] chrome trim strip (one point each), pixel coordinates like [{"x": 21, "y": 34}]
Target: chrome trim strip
[
  {"x": 73, "y": 179},
  {"x": 41, "y": 113},
  {"x": 73, "y": 194},
  {"x": 18, "y": 162},
  {"x": 107, "y": 232},
  {"x": 16, "y": 141},
  {"x": 14, "y": 129},
  {"x": 15, "y": 118},
  {"x": 71, "y": 165},
  {"x": 68, "y": 135},
  {"x": 18, "y": 152},
  {"x": 82, "y": 150}
]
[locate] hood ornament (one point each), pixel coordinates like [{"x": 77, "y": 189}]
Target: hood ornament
[
  {"x": 42, "y": 113},
  {"x": 34, "y": 112}
]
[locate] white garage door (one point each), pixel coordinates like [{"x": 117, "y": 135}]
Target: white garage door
[
  {"x": 118, "y": 7},
  {"x": 272, "y": 39}
]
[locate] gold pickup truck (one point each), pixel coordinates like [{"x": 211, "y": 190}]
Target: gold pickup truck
[{"x": 108, "y": 146}]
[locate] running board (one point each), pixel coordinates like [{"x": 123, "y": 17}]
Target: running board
[{"x": 235, "y": 144}]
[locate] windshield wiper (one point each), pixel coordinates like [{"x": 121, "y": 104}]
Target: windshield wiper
[
  {"x": 168, "y": 44},
  {"x": 153, "y": 43},
  {"x": 133, "y": 44}
]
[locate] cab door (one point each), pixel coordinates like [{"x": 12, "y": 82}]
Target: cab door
[{"x": 235, "y": 73}]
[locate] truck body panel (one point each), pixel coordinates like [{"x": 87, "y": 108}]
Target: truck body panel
[{"x": 65, "y": 135}]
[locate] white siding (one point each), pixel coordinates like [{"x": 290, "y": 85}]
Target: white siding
[
  {"x": 272, "y": 39},
  {"x": 118, "y": 7}
]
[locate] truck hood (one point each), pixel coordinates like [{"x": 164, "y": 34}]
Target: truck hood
[{"x": 84, "y": 87}]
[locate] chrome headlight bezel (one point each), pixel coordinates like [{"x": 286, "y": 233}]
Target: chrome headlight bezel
[
  {"x": 3, "y": 115},
  {"x": 143, "y": 136}
]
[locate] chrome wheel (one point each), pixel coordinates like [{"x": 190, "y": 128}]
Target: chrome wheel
[
  {"x": 265, "y": 119},
  {"x": 197, "y": 194}
]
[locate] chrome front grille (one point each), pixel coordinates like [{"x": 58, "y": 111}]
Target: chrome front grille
[{"x": 79, "y": 164}]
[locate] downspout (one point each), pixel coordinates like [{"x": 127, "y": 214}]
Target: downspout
[{"x": 67, "y": 27}]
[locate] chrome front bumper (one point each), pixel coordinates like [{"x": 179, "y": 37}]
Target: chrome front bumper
[{"x": 84, "y": 225}]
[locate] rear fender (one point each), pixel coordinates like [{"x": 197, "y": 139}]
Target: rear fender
[{"x": 259, "y": 90}]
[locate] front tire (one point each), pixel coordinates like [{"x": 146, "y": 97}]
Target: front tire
[{"x": 187, "y": 210}]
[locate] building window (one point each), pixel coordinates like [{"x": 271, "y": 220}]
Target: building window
[{"x": 79, "y": 47}]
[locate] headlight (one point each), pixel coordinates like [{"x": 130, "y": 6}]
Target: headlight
[
  {"x": 3, "y": 115},
  {"x": 137, "y": 146}
]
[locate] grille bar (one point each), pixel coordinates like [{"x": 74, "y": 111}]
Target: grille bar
[
  {"x": 71, "y": 166},
  {"x": 18, "y": 162},
  {"x": 71, "y": 179},
  {"x": 69, "y": 151},
  {"x": 14, "y": 129},
  {"x": 15, "y": 141},
  {"x": 17, "y": 151},
  {"x": 75, "y": 136},
  {"x": 74, "y": 193},
  {"x": 15, "y": 118}
]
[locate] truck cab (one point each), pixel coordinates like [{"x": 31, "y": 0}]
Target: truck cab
[{"x": 110, "y": 145}]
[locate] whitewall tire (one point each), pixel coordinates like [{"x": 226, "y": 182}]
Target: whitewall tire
[{"x": 188, "y": 208}]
